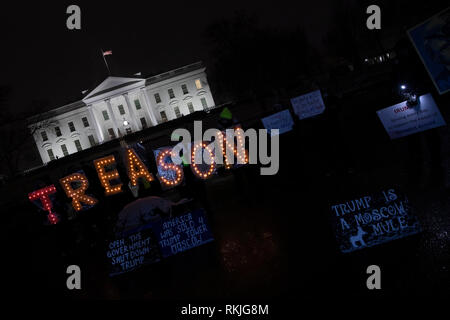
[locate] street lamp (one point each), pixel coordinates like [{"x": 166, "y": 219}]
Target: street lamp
[
  {"x": 125, "y": 123},
  {"x": 409, "y": 95}
]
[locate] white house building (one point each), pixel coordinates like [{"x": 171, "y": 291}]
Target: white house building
[{"x": 119, "y": 106}]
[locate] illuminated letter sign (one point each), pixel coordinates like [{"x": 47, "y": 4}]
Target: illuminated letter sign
[
  {"x": 77, "y": 194},
  {"x": 136, "y": 169},
  {"x": 107, "y": 176},
  {"x": 43, "y": 195}
]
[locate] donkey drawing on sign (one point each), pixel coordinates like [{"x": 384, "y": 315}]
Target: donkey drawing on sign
[{"x": 358, "y": 238}]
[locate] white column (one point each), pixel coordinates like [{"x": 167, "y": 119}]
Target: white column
[
  {"x": 130, "y": 108},
  {"x": 93, "y": 119},
  {"x": 113, "y": 117},
  {"x": 148, "y": 107}
]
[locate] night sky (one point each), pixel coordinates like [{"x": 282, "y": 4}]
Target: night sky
[{"x": 43, "y": 60}]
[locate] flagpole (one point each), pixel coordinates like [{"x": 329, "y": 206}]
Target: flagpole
[{"x": 106, "y": 63}]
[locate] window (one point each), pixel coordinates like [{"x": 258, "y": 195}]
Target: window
[
  {"x": 71, "y": 127},
  {"x": 198, "y": 84},
  {"x": 85, "y": 122},
  {"x": 58, "y": 131},
  {"x": 44, "y": 136},
  {"x": 184, "y": 88},
  {"x": 50, "y": 154},
  {"x": 78, "y": 145},
  {"x": 171, "y": 94},
  {"x": 91, "y": 140},
  {"x": 190, "y": 107},
  {"x": 128, "y": 130},
  {"x": 143, "y": 123},
  {"x": 105, "y": 115},
  {"x": 64, "y": 150},
  {"x": 163, "y": 116},
  {"x": 121, "y": 109},
  {"x": 137, "y": 103},
  {"x": 177, "y": 112},
  {"x": 112, "y": 135},
  {"x": 204, "y": 104},
  {"x": 157, "y": 98}
]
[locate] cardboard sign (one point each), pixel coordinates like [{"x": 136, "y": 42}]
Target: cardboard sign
[
  {"x": 133, "y": 250},
  {"x": 402, "y": 120},
  {"x": 281, "y": 120},
  {"x": 431, "y": 39},
  {"x": 373, "y": 219},
  {"x": 308, "y": 105},
  {"x": 182, "y": 233}
]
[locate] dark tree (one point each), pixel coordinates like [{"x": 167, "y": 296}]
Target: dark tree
[
  {"x": 248, "y": 60},
  {"x": 17, "y": 151}
]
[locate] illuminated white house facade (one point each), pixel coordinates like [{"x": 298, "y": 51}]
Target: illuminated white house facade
[{"x": 119, "y": 106}]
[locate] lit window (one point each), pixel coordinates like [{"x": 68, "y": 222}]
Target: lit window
[
  {"x": 91, "y": 140},
  {"x": 137, "y": 103},
  {"x": 44, "y": 136},
  {"x": 190, "y": 107},
  {"x": 78, "y": 145},
  {"x": 105, "y": 115},
  {"x": 204, "y": 104},
  {"x": 58, "y": 131},
  {"x": 171, "y": 94},
  {"x": 163, "y": 116},
  {"x": 185, "y": 89},
  {"x": 50, "y": 154},
  {"x": 85, "y": 122},
  {"x": 143, "y": 123},
  {"x": 157, "y": 98},
  {"x": 121, "y": 109},
  {"x": 177, "y": 112},
  {"x": 198, "y": 84},
  {"x": 112, "y": 135},
  {"x": 71, "y": 127},
  {"x": 64, "y": 150}
]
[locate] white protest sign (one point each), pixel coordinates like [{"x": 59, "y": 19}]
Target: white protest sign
[
  {"x": 402, "y": 120},
  {"x": 308, "y": 105},
  {"x": 281, "y": 120}
]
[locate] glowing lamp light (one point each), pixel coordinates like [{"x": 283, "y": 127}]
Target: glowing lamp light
[
  {"x": 47, "y": 205},
  {"x": 136, "y": 168},
  {"x": 77, "y": 194},
  {"x": 168, "y": 168},
  {"x": 106, "y": 176},
  {"x": 403, "y": 87},
  {"x": 125, "y": 122}
]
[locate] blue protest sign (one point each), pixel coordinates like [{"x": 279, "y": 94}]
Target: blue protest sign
[
  {"x": 373, "y": 219},
  {"x": 308, "y": 105},
  {"x": 182, "y": 233},
  {"x": 132, "y": 251},
  {"x": 431, "y": 40},
  {"x": 281, "y": 120}
]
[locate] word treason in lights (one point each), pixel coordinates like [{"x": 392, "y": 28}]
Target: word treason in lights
[{"x": 75, "y": 185}]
